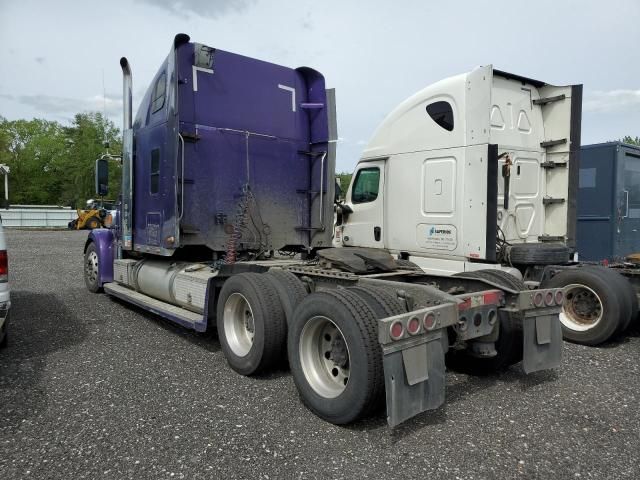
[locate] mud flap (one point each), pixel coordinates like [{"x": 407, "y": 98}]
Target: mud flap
[
  {"x": 542, "y": 337},
  {"x": 414, "y": 379}
]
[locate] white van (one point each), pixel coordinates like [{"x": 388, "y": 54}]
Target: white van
[{"x": 5, "y": 302}]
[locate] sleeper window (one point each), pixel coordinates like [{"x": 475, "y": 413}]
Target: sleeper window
[
  {"x": 366, "y": 185},
  {"x": 441, "y": 113},
  {"x": 157, "y": 100}
]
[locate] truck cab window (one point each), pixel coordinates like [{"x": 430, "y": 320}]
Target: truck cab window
[
  {"x": 441, "y": 113},
  {"x": 155, "y": 171},
  {"x": 366, "y": 185},
  {"x": 157, "y": 100}
]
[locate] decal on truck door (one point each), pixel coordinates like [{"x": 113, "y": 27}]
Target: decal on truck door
[{"x": 437, "y": 237}]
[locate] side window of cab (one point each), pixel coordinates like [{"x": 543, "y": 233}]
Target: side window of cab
[
  {"x": 159, "y": 93},
  {"x": 366, "y": 185}
]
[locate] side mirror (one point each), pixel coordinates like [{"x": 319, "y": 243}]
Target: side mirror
[
  {"x": 342, "y": 213},
  {"x": 338, "y": 192},
  {"x": 102, "y": 177}
]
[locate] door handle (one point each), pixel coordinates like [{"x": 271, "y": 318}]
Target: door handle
[
  {"x": 626, "y": 193},
  {"x": 377, "y": 233}
]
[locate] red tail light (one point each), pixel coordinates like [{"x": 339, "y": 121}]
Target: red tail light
[
  {"x": 397, "y": 330},
  {"x": 429, "y": 321},
  {"x": 413, "y": 326},
  {"x": 4, "y": 266},
  {"x": 538, "y": 299},
  {"x": 548, "y": 299}
]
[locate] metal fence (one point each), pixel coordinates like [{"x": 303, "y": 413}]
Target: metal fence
[{"x": 37, "y": 217}]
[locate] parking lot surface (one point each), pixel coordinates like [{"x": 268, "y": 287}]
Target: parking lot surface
[{"x": 92, "y": 388}]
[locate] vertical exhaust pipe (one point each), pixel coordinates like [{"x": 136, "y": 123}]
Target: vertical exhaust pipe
[
  {"x": 126, "y": 94},
  {"x": 127, "y": 156}
]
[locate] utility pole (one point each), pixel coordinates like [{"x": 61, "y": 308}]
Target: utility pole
[{"x": 4, "y": 169}]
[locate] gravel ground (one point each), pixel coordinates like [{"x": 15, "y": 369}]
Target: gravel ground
[{"x": 90, "y": 388}]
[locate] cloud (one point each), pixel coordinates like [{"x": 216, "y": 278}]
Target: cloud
[
  {"x": 40, "y": 60},
  {"x": 612, "y": 101},
  {"x": 52, "y": 105},
  {"x": 203, "y": 8}
]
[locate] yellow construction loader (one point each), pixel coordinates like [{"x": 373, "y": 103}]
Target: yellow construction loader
[{"x": 95, "y": 215}]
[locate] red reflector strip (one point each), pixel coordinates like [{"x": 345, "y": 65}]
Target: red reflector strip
[
  {"x": 4, "y": 266},
  {"x": 493, "y": 297},
  {"x": 465, "y": 305}
]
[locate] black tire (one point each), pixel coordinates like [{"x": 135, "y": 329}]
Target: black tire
[
  {"x": 634, "y": 303},
  {"x": 509, "y": 343},
  {"x": 538, "y": 253},
  {"x": 575, "y": 324},
  {"x": 496, "y": 276},
  {"x": 506, "y": 279},
  {"x": 72, "y": 224},
  {"x": 4, "y": 334},
  {"x": 627, "y": 300},
  {"x": 363, "y": 391},
  {"x": 383, "y": 303},
  {"x": 266, "y": 319},
  {"x": 407, "y": 265},
  {"x": 91, "y": 223},
  {"x": 291, "y": 290},
  {"x": 91, "y": 269},
  {"x": 508, "y": 348}
]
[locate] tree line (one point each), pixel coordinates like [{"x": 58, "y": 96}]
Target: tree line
[{"x": 54, "y": 164}]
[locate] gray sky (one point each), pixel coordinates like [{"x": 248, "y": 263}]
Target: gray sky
[{"x": 375, "y": 53}]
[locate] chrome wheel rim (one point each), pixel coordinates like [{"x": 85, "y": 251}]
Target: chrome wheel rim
[
  {"x": 582, "y": 308},
  {"x": 324, "y": 357},
  {"x": 91, "y": 267},
  {"x": 239, "y": 324}
]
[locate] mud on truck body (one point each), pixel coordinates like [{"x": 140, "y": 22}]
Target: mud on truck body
[
  {"x": 480, "y": 172},
  {"x": 226, "y": 223}
]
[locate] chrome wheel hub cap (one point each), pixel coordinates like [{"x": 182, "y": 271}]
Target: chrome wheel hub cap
[
  {"x": 239, "y": 325},
  {"x": 324, "y": 357}
]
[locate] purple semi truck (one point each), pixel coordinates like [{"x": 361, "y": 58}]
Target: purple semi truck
[{"x": 225, "y": 222}]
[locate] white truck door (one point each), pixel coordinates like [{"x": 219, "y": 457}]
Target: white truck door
[{"x": 364, "y": 227}]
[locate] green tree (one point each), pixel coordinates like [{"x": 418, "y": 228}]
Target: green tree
[
  {"x": 32, "y": 148},
  {"x": 345, "y": 180},
  {"x": 631, "y": 140},
  {"x": 54, "y": 164},
  {"x": 85, "y": 142}
]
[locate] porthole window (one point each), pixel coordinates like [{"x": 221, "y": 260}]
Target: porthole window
[{"x": 441, "y": 113}]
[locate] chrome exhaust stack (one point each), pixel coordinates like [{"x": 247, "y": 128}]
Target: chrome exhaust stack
[{"x": 126, "y": 242}]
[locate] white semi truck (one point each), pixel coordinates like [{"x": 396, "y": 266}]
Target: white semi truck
[{"x": 480, "y": 171}]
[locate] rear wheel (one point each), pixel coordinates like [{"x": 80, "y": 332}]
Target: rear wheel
[
  {"x": 251, "y": 323},
  {"x": 291, "y": 290},
  {"x": 93, "y": 222},
  {"x": 627, "y": 298},
  {"x": 92, "y": 269},
  {"x": 335, "y": 357},
  {"x": 592, "y": 311},
  {"x": 508, "y": 347},
  {"x": 509, "y": 343},
  {"x": 499, "y": 277},
  {"x": 383, "y": 303}
]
